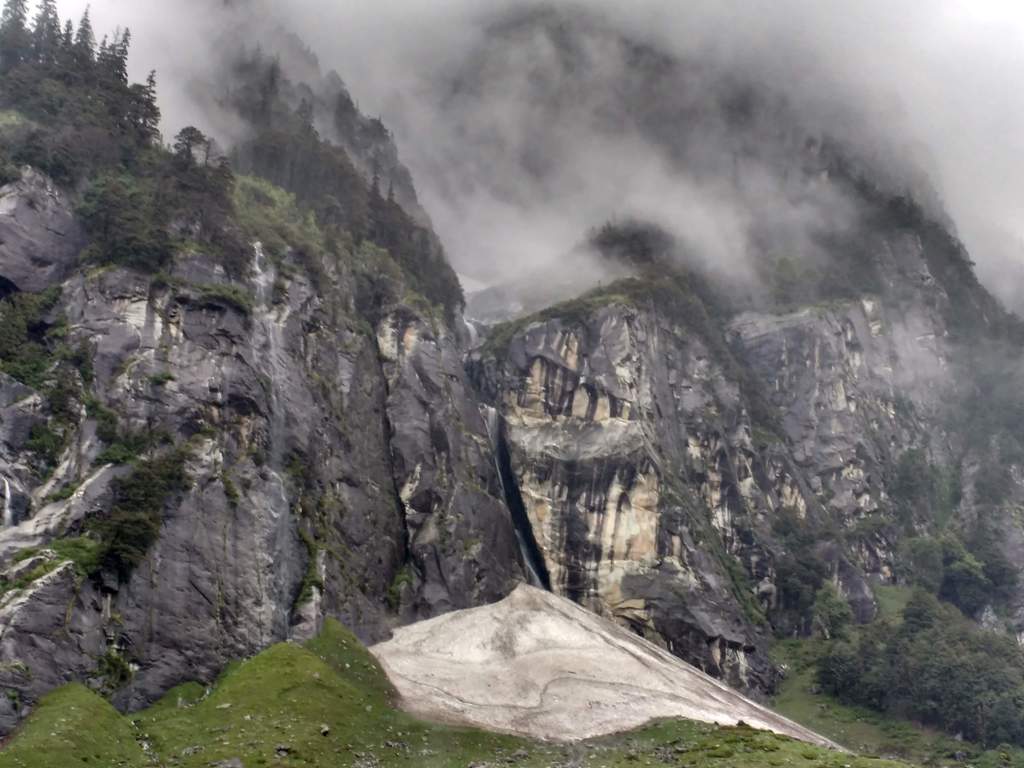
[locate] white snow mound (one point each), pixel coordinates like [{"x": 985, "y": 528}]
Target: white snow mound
[{"x": 540, "y": 666}]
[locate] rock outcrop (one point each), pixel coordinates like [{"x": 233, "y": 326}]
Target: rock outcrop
[
  {"x": 632, "y": 454},
  {"x": 348, "y": 455},
  {"x": 40, "y": 239},
  {"x": 654, "y": 461},
  {"x": 334, "y": 469}
]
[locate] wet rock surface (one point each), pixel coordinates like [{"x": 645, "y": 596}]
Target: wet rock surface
[{"x": 363, "y": 458}]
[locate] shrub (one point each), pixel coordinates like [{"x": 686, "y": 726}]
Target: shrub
[
  {"x": 127, "y": 224},
  {"x": 133, "y": 523},
  {"x": 47, "y": 444},
  {"x": 83, "y": 551},
  {"x": 162, "y": 378},
  {"x": 24, "y": 354},
  {"x": 992, "y": 483},
  {"x": 921, "y": 562},
  {"x": 832, "y": 614},
  {"x": 230, "y": 295}
]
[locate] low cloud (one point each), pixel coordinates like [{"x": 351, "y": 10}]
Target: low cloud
[{"x": 518, "y": 149}]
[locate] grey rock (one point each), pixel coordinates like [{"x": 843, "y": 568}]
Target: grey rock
[
  {"x": 304, "y": 433},
  {"x": 26, "y": 566},
  {"x": 50, "y": 634},
  {"x": 629, "y": 447},
  {"x": 39, "y": 237},
  {"x": 461, "y": 540}
]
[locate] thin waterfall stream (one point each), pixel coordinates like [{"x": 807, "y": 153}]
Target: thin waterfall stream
[{"x": 533, "y": 559}]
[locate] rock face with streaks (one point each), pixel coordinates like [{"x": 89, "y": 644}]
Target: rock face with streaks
[
  {"x": 334, "y": 468},
  {"x": 655, "y": 464},
  {"x": 196, "y": 465},
  {"x": 633, "y": 458},
  {"x": 343, "y": 460}
]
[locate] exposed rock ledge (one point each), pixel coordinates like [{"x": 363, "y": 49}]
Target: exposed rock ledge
[{"x": 538, "y": 665}]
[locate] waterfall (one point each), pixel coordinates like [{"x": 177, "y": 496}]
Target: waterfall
[
  {"x": 264, "y": 277},
  {"x": 474, "y": 334},
  {"x": 272, "y": 343},
  {"x": 533, "y": 560},
  {"x": 8, "y": 507}
]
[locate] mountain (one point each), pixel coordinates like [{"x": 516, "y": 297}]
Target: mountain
[{"x": 239, "y": 401}]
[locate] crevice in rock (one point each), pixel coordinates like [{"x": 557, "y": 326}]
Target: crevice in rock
[
  {"x": 533, "y": 558},
  {"x": 405, "y": 556}
]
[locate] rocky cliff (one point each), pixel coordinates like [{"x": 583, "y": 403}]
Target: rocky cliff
[
  {"x": 338, "y": 458},
  {"x": 230, "y": 410},
  {"x": 693, "y": 475},
  {"x": 334, "y": 467}
]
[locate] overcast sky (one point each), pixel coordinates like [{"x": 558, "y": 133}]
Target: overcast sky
[{"x": 943, "y": 79}]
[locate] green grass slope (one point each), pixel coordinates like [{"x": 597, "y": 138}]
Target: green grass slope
[
  {"x": 329, "y": 704},
  {"x": 73, "y": 726}
]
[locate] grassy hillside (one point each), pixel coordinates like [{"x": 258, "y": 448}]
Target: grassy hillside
[{"x": 329, "y": 704}]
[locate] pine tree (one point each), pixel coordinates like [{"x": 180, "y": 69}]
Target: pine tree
[
  {"x": 187, "y": 142},
  {"x": 85, "y": 42},
  {"x": 305, "y": 115},
  {"x": 46, "y": 33},
  {"x": 113, "y": 58},
  {"x": 375, "y": 179},
  {"x": 15, "y": 40},
  {"x": 66, "y": 67},
  {"x": 144, "y": 114}
]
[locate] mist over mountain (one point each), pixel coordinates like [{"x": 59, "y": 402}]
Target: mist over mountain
[{"x": 527, "y": 112}]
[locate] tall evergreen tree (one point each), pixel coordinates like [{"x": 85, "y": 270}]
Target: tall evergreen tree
[
  {"x": 46, "y": 33},
  {"x": 189, "y": 143},
  {"x": 375, "y": 179},
  {"x": 15, "y": 40},
  {"x": 113, "y": 58},
  {"x": 85, "y": 41},
  {"x": 147, "y": 113},
  {"x": 66, "y": 65}
]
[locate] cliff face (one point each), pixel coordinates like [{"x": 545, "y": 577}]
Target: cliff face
[
  {"x": 334, "y": 469},
  {"x": 629, "y": 447},
  {"x": 326, "y": 444},
  {"x": 657, "y": 492}
]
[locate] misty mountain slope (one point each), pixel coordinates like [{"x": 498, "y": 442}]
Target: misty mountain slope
[
  {"x": 225, "y": 417},
  {"x": 833, "y": 428},
  {"x": 282, "y": 518},
  {"x": 657, "y": 439}
]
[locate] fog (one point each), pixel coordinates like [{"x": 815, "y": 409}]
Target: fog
[{"x": 517, "y": 152}]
